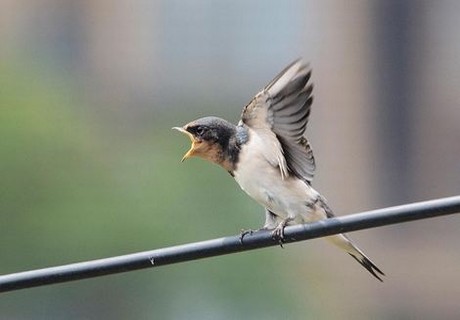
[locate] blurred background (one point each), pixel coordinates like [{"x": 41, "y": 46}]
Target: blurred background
[{"x": 90, "y": 168}]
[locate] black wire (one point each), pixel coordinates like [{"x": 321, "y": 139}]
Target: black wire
[{"x": 227, "y": 245}]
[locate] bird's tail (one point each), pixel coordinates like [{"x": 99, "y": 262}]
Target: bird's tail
[{"x": 343, "y": 242}]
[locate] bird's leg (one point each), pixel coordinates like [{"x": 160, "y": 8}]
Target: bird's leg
[{"x": 278, "y": 232}]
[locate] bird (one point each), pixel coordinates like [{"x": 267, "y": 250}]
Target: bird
[{"x": 269, "y": 156}]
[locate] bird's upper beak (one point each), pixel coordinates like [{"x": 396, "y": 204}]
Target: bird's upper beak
[{"x": 191, "y": 152}]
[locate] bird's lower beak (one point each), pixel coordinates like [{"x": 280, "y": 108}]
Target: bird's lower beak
[{"x": 191, "y": 152}]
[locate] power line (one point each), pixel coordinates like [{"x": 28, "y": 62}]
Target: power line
[{"x": 227, "y": 245}]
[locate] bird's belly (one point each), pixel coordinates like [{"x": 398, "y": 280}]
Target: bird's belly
[{"x": 288, "y": 197}]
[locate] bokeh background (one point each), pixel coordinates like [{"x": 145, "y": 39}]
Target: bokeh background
[{"x": 89, "y": 166}]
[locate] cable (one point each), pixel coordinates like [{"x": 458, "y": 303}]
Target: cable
[{"x": 228, "y": 245}]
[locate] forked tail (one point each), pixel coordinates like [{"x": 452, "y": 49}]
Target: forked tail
[{"x": 343, "y": 242}]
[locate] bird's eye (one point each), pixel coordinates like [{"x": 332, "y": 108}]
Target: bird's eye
[{"x": 200, "y": 130}]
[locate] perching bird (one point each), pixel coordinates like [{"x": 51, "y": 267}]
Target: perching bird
[{"x": 270, "y": 157}]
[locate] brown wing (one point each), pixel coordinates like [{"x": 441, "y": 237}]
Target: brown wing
[{"x": 283, "y": 106}]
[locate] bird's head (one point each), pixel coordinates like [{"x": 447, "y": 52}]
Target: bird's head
[{"x": 210, "y": 138}]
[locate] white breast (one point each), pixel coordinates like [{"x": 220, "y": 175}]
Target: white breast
[{"x": 261, "y": 179}]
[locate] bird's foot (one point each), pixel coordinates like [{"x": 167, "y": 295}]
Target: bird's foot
[
  {"x": 278, "y": 235},
  {"x": 278, "y": 232},
  {"x": 245, "y": 232}
]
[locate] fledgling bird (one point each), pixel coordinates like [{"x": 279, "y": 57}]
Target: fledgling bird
[{"x": 270, "y": 157}]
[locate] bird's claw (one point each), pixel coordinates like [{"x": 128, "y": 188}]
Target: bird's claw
[
  {"x": 245, "y": 232},
  {"x": 278, "y": 234}
]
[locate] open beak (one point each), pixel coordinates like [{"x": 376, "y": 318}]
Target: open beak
[{"x": 191, "y": 152}]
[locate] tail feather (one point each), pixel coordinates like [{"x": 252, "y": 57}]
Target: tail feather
[
  {"x": 343, "y": 242},
  {"x": 369, "y": 265}
]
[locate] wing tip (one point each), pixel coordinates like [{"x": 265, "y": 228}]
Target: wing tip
[{"x": 297, "y": 68}]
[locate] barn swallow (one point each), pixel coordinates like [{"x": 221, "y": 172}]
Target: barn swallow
[{"x": 270, "y": 157}]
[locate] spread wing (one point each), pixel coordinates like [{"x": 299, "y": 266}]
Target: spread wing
[{"x": 283, "y": 107}]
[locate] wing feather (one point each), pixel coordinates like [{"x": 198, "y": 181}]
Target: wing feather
[{"x": 283, "y": 107}]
